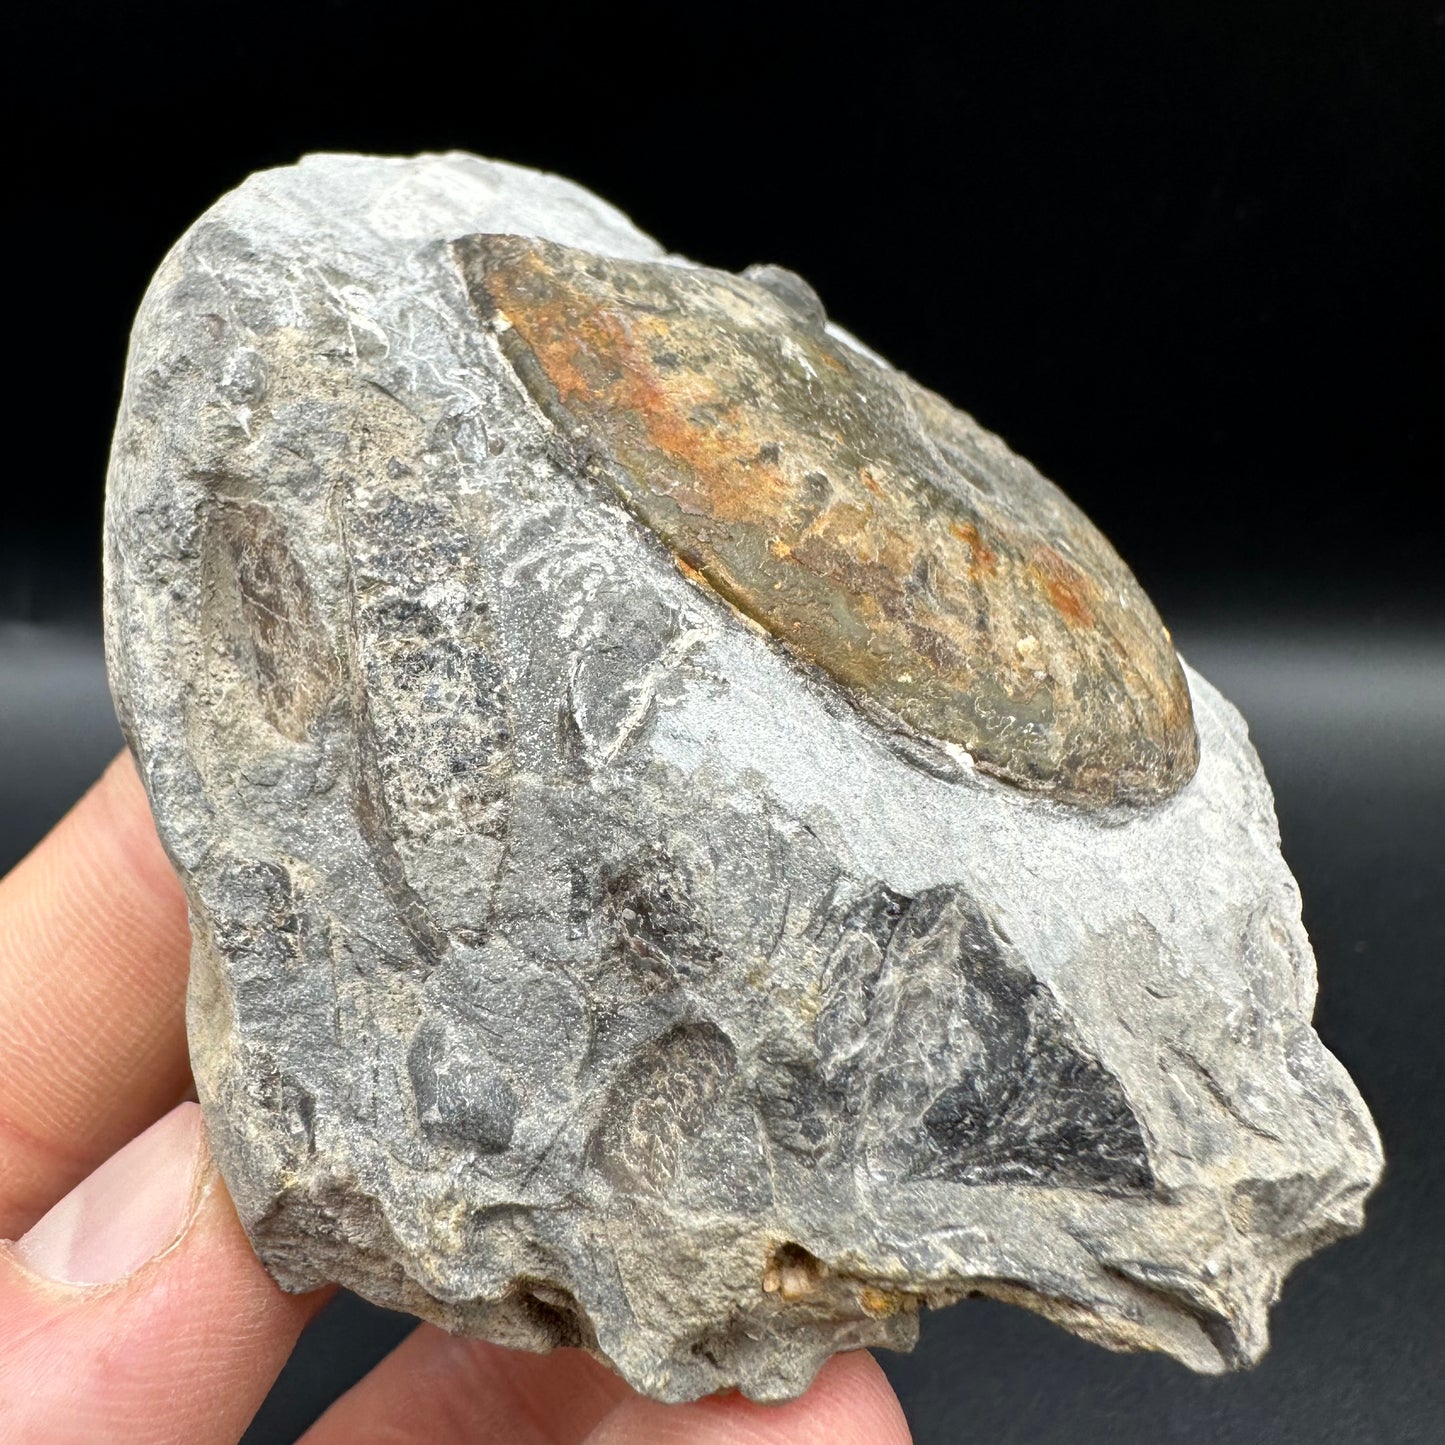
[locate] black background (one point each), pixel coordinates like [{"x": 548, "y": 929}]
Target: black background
[{"x": 1187, "y": 257}]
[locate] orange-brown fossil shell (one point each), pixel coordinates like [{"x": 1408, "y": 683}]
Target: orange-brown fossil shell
[{"x": 879, "y": 533}]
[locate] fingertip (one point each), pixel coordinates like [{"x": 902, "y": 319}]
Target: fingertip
[
  {"x": 97, "y": 1342},
  {"x": 849, "y": 1403},
  {"x": 863, "y": 1402}
]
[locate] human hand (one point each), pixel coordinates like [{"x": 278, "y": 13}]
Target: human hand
[{"x": 133, "y": 1309}]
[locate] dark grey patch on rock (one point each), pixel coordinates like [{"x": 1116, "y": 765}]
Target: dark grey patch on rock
[
  {"x": 929, "y": 1025},
  {"x": 460, "y": 1093},
  {"x": 661, "y": 934}
]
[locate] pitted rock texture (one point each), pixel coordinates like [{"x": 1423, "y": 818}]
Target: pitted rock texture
[{"x": 699, "y": 919}]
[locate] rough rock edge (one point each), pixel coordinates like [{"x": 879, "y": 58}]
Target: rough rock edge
[{"x": 1094, "y": 1289}]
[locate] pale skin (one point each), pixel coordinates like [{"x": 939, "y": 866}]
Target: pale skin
[{"x": 133, "y": 1310}]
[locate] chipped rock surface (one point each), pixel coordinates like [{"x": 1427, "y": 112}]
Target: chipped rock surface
[{"x": 590, "y": 950}]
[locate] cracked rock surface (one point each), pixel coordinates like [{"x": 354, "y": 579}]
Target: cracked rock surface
[{"x": 646, "y": 894}]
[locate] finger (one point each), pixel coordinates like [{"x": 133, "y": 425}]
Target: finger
[
  {"x": 93, "y": 951},
  {"x": 446, "y": 1391},
  {"x": 850, "y": 1403},
  {"x": 439, "y": 1388},
  {"x": 136, "y": 1311}
]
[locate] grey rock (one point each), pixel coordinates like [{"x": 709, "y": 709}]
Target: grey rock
[{"x": 571, "y": 964}]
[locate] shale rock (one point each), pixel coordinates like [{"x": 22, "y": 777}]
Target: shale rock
[{"x": 695, "y": 850}]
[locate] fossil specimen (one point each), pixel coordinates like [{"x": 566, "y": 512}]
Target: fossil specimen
[{"x": 695, "y": 849}]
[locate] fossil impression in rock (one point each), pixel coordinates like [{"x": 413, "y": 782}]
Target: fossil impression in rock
[{"x": 695, "y": 850}]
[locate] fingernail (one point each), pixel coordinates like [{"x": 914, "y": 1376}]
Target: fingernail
[{"x": 135, "y": 1206}]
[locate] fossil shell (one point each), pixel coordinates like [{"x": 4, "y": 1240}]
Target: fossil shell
[
  {"x": 874, "y": 529},
  {"x": 576, "y": 962}
]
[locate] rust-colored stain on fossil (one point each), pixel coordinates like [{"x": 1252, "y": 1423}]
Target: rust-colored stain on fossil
[{"x": 854, "y": 514}]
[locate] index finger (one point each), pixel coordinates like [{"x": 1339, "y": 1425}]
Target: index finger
[
  {"x": 450, "y": 1391},
  {"x": 93, "y": 954}
]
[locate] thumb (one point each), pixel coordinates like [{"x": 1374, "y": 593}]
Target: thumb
[{"x": 135, "y": 1310}]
